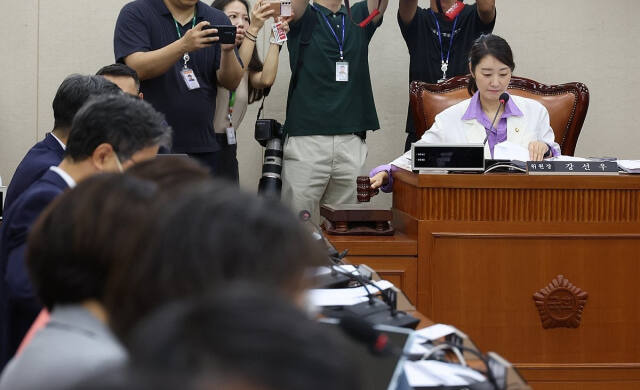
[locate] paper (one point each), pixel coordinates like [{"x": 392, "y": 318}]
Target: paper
[
  {"x": 404, "y": 161},
  {"x": 510, "y": 151},
  {"x": 346, "y": 268},
  {"x": 629, "y": 166},
  {"x": 344, "y": 296},
  {"x": 435, "y": 332},
  {"x": 568, "y": 158},
  {"x": 425, "y": 373}
]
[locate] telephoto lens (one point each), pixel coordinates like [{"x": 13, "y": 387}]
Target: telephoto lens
[{"x": 269, "y": 133}]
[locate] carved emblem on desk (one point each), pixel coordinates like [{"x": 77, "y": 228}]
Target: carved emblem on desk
[{"x": 560, "y": 304}]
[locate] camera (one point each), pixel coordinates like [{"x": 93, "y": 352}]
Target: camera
[
  {"x": 227, "y": 34},
  {"x": 269, "y": 134},
  {"x": 280, "y": 8}
]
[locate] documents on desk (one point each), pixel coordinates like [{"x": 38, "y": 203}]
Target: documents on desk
[
  {"x": 348, "y": 268},
  {"x": 432, "y": 373},
  {"x": 345, "y": 296},
  {"x": 629, "y": 166},
  {"x": 510, "y": 151}
]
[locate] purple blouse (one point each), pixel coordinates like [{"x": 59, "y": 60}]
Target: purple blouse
[{"x": 498, "y": 133}]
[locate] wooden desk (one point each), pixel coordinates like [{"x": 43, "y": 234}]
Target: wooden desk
[{"x": 487, "y": 243}]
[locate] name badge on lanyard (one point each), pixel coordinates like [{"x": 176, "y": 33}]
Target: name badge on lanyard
[
  {"x": 188, "y": 75},
  {"x": 444, "y": 63},
  {"x": 231, "y": 131},
  {"x": 342, "y": 67}
]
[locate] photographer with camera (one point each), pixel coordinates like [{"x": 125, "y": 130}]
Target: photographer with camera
[
  {"x": 175, "y": 47},
  {"x": 439, "y": 39},
  {"x": 231, "y": 105},
  {"x": 330, "y": 104}
]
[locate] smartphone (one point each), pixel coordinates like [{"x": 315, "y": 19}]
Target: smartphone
[
  {"x": 226, "y": 33},
  {"x": 280, "y": 8},
  {"x": 275, "y": 6}
]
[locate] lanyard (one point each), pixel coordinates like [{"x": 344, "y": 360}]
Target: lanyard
[
  {"x": 232, "y": 102},
  {"x": 340, "y": 43},
  {"x": 453, "y": 30},
  {"x": 185, "y": 56},
  {"x": 193, "y": 24}
]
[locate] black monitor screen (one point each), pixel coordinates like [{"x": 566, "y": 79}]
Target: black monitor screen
[{"x": 448, "y": 157}]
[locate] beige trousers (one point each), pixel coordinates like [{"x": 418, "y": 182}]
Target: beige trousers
[{"x": 321, "y": 169}]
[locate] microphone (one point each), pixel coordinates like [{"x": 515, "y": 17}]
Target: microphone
[
  {"x": 504, "y": 98},
  {"x": 333, "y": 279},
  {"x": 335, "y": 256}
]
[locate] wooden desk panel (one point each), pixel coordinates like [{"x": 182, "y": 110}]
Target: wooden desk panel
[
  {"x": 393, "y": 257},
  {"x": 487, "y": 243}
]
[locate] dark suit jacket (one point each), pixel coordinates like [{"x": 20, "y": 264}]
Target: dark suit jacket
[
  {"x": 18, "y": 303},
  {"x": 35, "y": 163}
]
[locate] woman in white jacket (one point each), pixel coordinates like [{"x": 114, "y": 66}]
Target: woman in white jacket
[{"x": 522, "y": 121}]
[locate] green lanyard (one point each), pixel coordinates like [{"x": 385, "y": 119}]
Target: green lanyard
[
  {"x": 185, "y": 56},
  {"x": 232, "y": 102},
  {"x": 193, "y": 24}
]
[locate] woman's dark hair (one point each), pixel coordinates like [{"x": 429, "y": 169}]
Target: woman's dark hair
[
  {"x": 255, "y": 65},
  {"x": 80, "y": 237},
  {"x": 485, "y": 45},
  {"x": 208, "y": 236}
]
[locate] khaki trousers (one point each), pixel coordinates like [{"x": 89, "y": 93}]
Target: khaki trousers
[{"x": 321, "y": 169}]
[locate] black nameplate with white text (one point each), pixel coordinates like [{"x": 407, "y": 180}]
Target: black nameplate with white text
[{"x": 572, "y": 168}]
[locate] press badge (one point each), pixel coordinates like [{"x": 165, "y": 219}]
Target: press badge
[
  {"x": 342, "y": 71},
  {"x": 190, "y": 78},
  {"x": 231, "y": 135},
  {"x": 279, "y": 35}
]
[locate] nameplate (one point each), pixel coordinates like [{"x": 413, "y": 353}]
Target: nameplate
[
  {"x": 572, "y": 168},
  {"x": 447, "y": 157}
]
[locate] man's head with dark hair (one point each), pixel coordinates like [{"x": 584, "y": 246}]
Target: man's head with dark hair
[
  {"x": 73, "y": 93},
  {"x": 171, "y": 173},
  {"x": 115, "y": 131},
  {"x": 123, "y": 76},
  {"x": 210, "y": 235},
  {"x": 79, "y": 237},
  {"x": 242, "y": 337}
]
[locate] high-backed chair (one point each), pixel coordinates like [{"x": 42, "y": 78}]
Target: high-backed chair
[{"x": 567, "y": 104}]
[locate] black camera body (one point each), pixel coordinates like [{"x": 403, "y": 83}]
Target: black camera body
[
  {"x": 227, "y": 34},
  {"x": 269, "y": 134},
  {"x": 267, "y": 129}
]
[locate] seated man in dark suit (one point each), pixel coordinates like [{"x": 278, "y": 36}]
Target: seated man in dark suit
[
  {"x": 108, "y": 134},
  {"x": 74, "y": 91}
]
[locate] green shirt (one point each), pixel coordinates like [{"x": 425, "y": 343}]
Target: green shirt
[{"x": 319, "y": 104}]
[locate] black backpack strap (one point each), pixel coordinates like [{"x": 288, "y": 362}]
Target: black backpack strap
[{"x": 308, "y": 21}]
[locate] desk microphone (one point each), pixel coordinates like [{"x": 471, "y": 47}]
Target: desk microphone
[
  {"x": 316, "y": 233},
  {"x": 504, "y": 98}
]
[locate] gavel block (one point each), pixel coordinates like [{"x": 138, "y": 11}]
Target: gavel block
[{"x": 356, "y": 219}]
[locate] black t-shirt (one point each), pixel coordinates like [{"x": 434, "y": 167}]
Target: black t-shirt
[
  {"x": 421, "y": 36},
  {"x": 146, "y": 25}
]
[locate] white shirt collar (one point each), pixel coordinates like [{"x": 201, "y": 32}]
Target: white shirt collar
[
  {"x": 64, "y": 147},
  {"x": 64, "y": 175}
]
